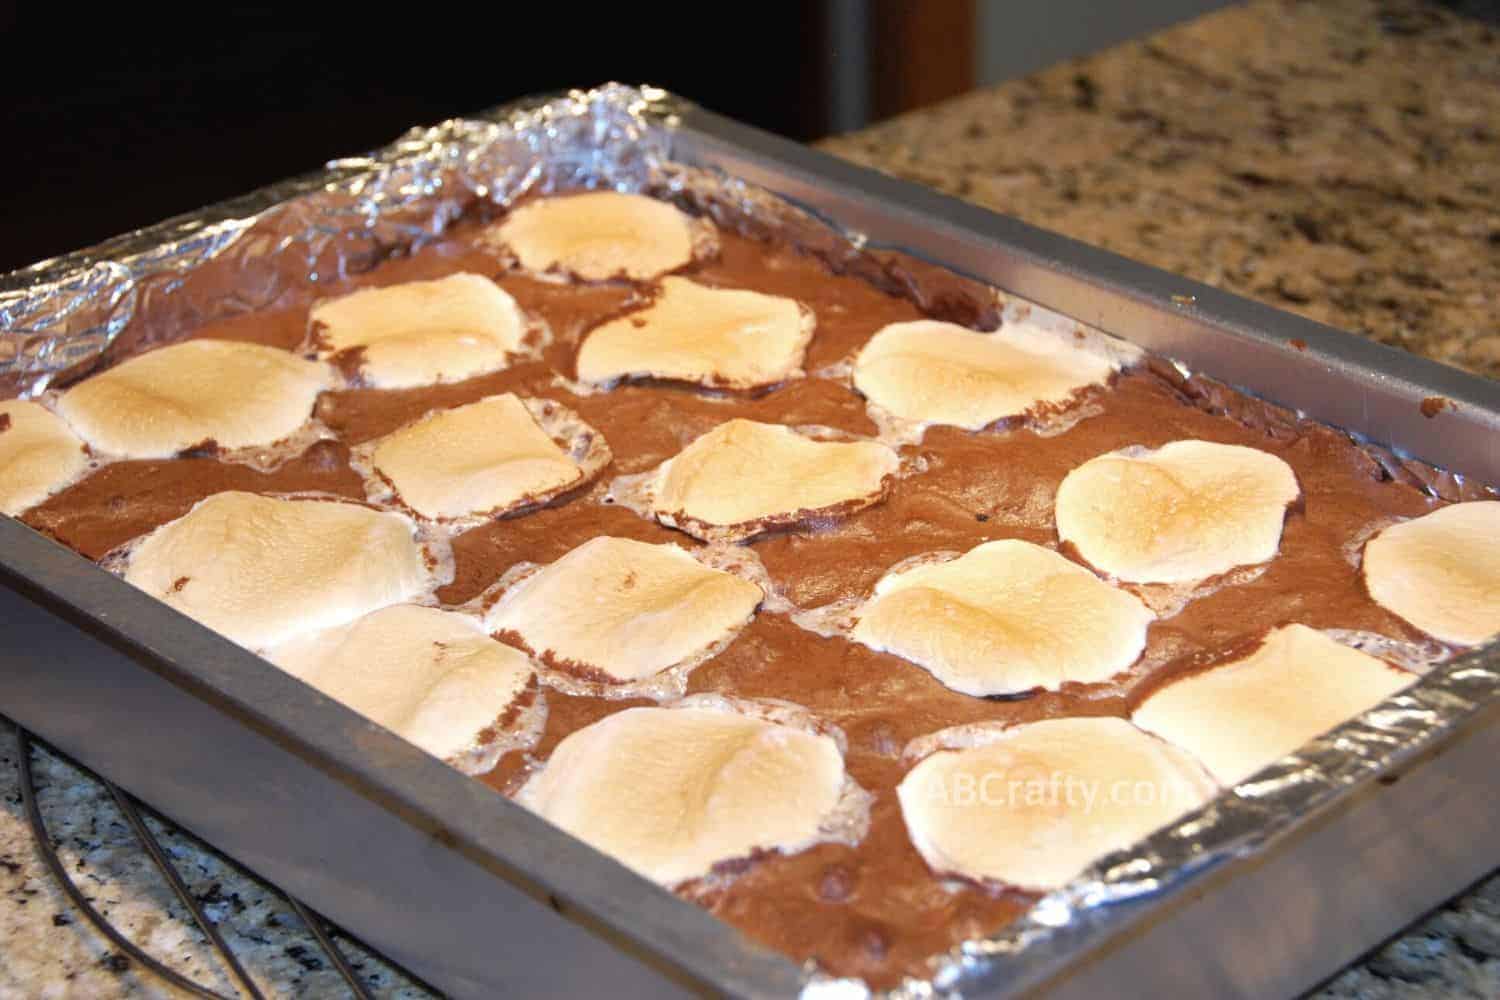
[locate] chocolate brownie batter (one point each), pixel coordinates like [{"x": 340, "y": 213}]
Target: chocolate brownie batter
[{"x": 874, "y": 911}]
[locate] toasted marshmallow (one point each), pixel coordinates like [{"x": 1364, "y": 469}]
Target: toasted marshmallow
[
  {"x": 157, "y": 404},
  {"x": 39, "y": 455},
  {"x": 941, "y": 373},
  {"x": 431, "y": 676},
  {"x": 599, "y": 235},
  {"x": 1441, "y": 571},
  {"x": 1006, "y": 617},
  {"x": 717, "y": 337},
  {"x": 671, "y": 792},
  {"x": 1240, "y": 716},
  {"x": 1034, "y": 805},
  {"x": 488, "y": 457},
  {"x": 624, "y": 610},
  {"x": 744, "y": 477},
  {"x": 1187, "y": 511},
  {"x": 422, "y": 332},
  {"x": 260, "y": 570}
]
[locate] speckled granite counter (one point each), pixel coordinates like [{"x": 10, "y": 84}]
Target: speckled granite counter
[{"x": 1340, "y": 159}]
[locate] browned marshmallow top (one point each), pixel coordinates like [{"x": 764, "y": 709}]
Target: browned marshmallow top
[{"x": 873, "y": 905}]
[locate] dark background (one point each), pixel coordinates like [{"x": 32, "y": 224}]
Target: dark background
[
  {"x": 113, "y": 131},
  {"x": 112, "y": 121}
]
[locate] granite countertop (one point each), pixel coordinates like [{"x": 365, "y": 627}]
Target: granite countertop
[{"x": 1339, "y": 159}]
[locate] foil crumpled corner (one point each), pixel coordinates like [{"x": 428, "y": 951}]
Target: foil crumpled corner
[{"x": 60, "y": 316}]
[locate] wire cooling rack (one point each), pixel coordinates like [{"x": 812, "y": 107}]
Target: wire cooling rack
[{"x": 135, "y": 815}]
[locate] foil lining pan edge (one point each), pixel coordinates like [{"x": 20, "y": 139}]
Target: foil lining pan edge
[{"x": 60, "y": 317}]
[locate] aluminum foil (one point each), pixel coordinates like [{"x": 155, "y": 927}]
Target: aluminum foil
[
  {"x": 1232, "y": 827},
  {"x": 61, "y": 317}
]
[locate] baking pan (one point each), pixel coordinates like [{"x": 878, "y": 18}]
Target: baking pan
[{"x": 1269, "y": 889}]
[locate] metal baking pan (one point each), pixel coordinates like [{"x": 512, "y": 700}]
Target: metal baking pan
[{"x": 1268, "y": 890}]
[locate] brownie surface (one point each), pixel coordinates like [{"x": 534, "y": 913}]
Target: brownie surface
[{"x": 873, "y": 910}]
